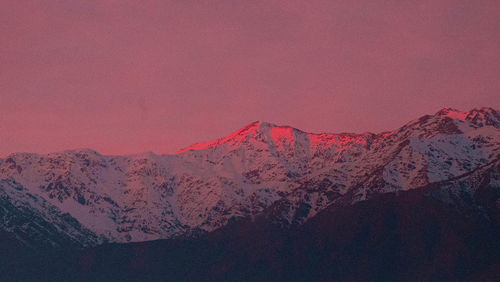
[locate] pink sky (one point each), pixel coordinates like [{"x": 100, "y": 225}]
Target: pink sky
[{"x": 131, "y": 76}]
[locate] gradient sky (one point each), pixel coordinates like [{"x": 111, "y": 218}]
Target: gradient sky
[{"x": 132, "y": 76}]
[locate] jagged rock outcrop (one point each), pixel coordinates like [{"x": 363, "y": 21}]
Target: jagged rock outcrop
[{"x": 89, "y": 198}]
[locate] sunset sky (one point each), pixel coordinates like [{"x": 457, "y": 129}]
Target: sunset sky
[{"x": 125, "y": 76}]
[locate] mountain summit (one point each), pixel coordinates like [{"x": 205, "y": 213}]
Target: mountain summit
[{"x": 83, "y": 198}]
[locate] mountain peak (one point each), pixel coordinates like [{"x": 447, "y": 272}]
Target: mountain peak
[
  {"x": 452, "y": 113},
  {"x": 235, "y": 137},
  {"x": 485, "y": 112},
  {"x": 246, "y": 133}
]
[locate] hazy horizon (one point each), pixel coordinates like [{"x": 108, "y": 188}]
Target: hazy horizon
[{"x": 122, "y": 78}]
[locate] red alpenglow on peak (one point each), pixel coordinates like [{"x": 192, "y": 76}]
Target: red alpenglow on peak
[
  {"x": 281, "y": 137},
  {"x": 478, "y": 116},
  {"x": 452, "y": 113},
  {"x": 238, "y": 136},
  {"x": 464, "y": 115},
  {"x": 254, "y": 130}
]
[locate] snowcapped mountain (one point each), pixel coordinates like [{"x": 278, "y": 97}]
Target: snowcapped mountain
[{"x": 89, "y": 198}]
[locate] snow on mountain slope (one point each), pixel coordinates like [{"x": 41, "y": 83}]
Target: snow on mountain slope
[
  {"x": 202, "y": 187},
  {"x": 38, "y": 224}
]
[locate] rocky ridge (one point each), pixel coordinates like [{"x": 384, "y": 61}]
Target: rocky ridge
[{"x": 89, "y": 198}]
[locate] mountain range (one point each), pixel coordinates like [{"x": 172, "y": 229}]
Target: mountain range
[{"x": 429, "y": 189}]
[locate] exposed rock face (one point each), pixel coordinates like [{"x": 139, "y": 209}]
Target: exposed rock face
[{"x": 88, "y": 198}]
